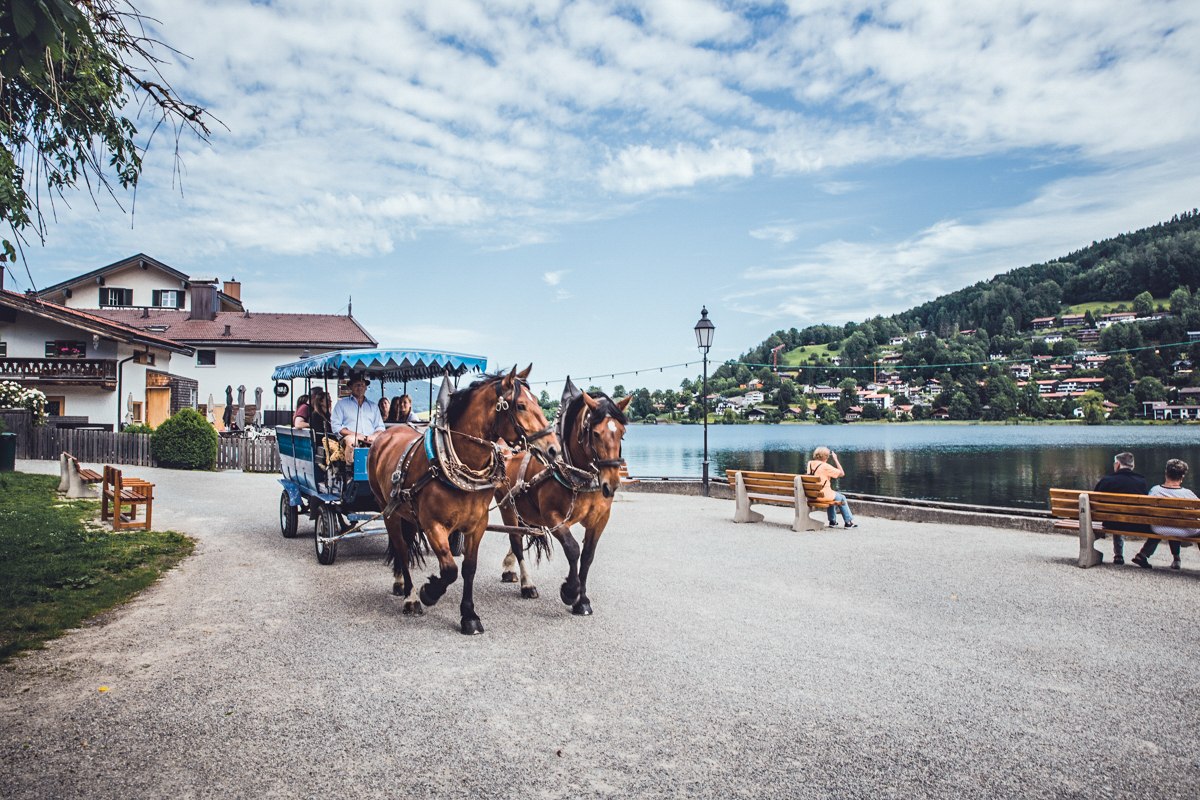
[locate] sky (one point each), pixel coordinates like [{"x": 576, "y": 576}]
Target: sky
[{"x": 567, "y": 183}]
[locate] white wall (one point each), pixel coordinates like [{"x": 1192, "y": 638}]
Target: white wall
[
  {"x": 143, "y": 282},
  {"x": 239, "y": 366},
  {"x": 27, "y": 337}
]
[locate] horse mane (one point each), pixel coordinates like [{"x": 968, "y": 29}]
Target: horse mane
[
  {"x": 460, "y": 399},
  {"x": 606, "y": 406}
]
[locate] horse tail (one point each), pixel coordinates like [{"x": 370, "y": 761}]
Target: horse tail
[
  {"x": 418, "y": 546},
  {"x": 542, "y": 546},
  {"x": 390, "y": 555}
]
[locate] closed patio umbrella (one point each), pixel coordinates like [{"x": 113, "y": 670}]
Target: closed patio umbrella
[
  {"x": 212, "y": 419},
  {"x": 228, "y": 416},
  {"x": 129, "y": 410},
  {"x": 260, "y": 416},
  {"x": 241, "y": 412}
]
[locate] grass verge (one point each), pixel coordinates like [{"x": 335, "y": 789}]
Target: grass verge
[{"x": 57, "y": 568}]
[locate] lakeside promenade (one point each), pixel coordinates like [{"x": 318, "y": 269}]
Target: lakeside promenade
[{"x": 900, "y": 659}]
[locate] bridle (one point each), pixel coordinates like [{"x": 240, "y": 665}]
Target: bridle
[{"x": 509, "y": 406}]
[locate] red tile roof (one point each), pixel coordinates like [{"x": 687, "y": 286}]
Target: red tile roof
[
  {"x": 258, "y": 329},
  {"x": 89, "y": 321}
]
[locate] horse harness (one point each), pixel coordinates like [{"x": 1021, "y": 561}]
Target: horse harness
[{"x": 444, "y": 463}]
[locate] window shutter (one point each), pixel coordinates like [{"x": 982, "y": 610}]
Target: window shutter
[
  {"x": 178, "y": 298},
  {"x": 103, "y": 297},
  {"x": 156, "y": 296}
]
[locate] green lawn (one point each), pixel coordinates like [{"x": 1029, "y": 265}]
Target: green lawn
[
  {"x": 802, "y": 355},
  {"x": 1108, "y": 306},
  {"x": 58, "y": 567}
]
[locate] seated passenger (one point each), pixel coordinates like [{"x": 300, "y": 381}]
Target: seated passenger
[
  {"x": 303, "y": 411},
  {"x": 356, "y": 419},
  {"x": 402, "y": 410},
  {"x": 318, "y": 418},
  {"x": 385, "y": 406}
]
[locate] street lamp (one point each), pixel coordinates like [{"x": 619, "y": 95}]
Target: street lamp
[{"x": 704, "y": 339}]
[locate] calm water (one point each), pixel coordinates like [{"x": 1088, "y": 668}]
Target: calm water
[{"x": 998, "y": 465}]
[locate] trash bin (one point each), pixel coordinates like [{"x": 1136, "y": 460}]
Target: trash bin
[{"x": 8, "y": 452}]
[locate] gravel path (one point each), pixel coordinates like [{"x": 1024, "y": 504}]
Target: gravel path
[{"x": 898, "y": 660}]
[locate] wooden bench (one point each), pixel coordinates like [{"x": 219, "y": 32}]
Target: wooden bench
[
  {"x": 119, "y": 492},
  {"x": 1090, "y": 513},
  {"x": 624, "y": 474},
  {"x": 801, "y": 492},
  {"x": 74, "y": 479}
]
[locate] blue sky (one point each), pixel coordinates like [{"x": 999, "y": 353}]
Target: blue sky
[{"x": 567, "y": 183}]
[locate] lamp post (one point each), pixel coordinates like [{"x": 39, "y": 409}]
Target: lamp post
[{"x": 704, "y": 338}]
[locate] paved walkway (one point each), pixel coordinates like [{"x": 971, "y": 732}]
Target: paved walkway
[{"x": 897, "y": 660}]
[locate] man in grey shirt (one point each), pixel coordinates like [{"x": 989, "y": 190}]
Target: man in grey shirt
[{"x": 1172, "y": 486}]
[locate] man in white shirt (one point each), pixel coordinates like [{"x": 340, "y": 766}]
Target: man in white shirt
[{"x": 355, "y": 418}]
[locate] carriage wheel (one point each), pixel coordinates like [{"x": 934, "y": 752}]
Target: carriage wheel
[
  {"x": 327, "y": 525},
  {"x": 287, "y": 516}
]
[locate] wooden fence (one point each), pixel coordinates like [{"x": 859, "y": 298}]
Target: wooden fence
[{"x": 105, "y": 447}]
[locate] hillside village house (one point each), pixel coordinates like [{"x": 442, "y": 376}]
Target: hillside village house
[{"x": 215, "y": 340}]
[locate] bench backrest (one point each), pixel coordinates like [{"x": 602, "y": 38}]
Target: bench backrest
[
  {"x": 1170, "y": 512},
  {"x": 780, "y": 483}
]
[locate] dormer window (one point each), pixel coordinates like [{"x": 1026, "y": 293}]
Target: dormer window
[
  {"x": 168, "y": 298},
  {"x": 111, "y": 296}
]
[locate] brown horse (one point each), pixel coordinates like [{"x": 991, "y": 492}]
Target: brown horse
[
  {"x": 427, "y": 499},
  {"x": 577, "y": 489}
]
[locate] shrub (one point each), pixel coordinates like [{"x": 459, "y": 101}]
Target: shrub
[
  {"x": 185, "y": 441},
  {"x": 137, "y": 427},
  {"x": 14, "y": 395}
]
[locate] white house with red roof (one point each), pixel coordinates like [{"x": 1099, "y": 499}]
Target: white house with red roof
[
  {"x": 93, "y": 371},
  {"x": 233, "y": 345}
]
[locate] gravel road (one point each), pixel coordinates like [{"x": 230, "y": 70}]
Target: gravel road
[{"x": 897, "y": 660}]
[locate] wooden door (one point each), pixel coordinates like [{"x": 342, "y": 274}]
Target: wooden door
[{"x": 158, "y": 405}]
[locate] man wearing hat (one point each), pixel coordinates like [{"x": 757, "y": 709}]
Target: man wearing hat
[{"x": 357, "y": 420}]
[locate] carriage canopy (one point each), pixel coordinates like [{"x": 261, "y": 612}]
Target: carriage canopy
[{"x": 388, "y": 364}]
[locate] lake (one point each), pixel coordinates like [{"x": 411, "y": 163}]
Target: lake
[{"x": 997, "y": 465}]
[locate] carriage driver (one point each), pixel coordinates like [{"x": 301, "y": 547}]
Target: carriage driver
[{"x": 355, "y": 418}]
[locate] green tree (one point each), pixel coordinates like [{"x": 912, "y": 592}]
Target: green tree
[
  {"x": 1092, "y": 403},
  {"x": 1181, "y": 300},
  {"x": 849, "y": 396},
  {"x": 1148, "y": 389},
  {"x": 828, "y": 415},
  {"x": 1143, "y": 304},
  {"x": 71, "y": 69}
]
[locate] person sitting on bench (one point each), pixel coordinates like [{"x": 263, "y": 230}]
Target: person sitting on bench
[
  {"x": 1172, "y": 486},
  {"x": 821, "y": 468},
  {"x": 1123, "y": 480},
  {"x": 356, "y": 419}
]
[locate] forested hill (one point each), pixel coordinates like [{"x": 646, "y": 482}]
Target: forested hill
[{"x": 1158, "y": 259}]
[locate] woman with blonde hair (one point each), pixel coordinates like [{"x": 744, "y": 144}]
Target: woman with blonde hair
[{"x": 821, "y": 468}]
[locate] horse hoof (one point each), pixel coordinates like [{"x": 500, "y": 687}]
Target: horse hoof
[
  {"x": 529, "y": 592},
  {"x": 568, "y": 597},
  {"x": 472, "y": 627},
  {"x": 582, "y": 609},
  {"x": 413, "y": 608},
  {"x": 508, "y": 577}
]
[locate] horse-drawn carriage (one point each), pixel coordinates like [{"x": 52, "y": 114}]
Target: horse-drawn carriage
[
  {"x": 320, "y": 486},
  {"x": 433, "y": 484}
]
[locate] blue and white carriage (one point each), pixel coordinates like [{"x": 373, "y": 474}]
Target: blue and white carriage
[{"x": 339, "y": 501}]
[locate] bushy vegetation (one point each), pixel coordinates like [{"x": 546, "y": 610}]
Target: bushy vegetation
[
  {"x": 14, "y": 395},
  {"x": 185, "y": 441},
  {"x": 137, "y": 427}
]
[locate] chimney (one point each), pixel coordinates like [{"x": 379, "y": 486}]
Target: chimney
[
  {"x": 228, "y": 331},
  {"x": 233, "y": 289},
  {"x": 204, "y": 299}
]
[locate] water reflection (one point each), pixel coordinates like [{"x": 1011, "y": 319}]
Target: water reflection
[{"x": 986, "y": 465}]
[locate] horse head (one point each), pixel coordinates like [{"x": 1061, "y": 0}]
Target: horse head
[
  {"x": 509, "y": 412},
  {"x": 600, "y": 427}
]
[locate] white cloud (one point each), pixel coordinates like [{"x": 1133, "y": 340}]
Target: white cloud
[
  {"x": 641, "y": 169},
  {"x": 780, "y": 234},
  {"x": 839, "y": 280}
]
